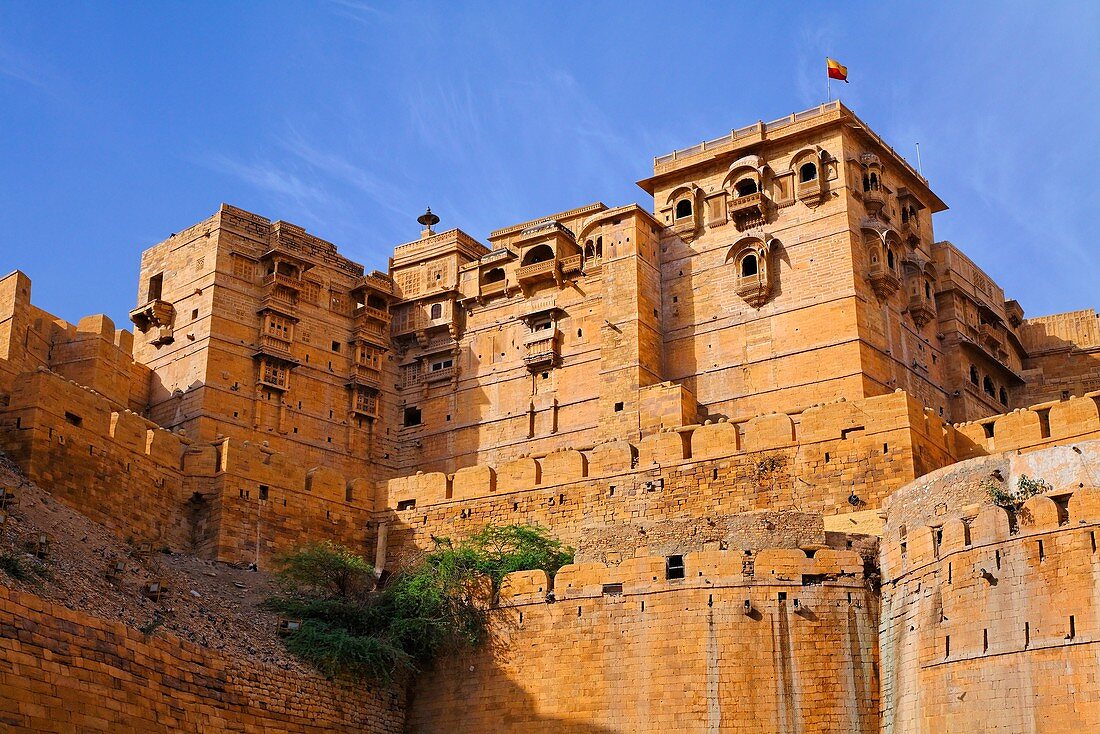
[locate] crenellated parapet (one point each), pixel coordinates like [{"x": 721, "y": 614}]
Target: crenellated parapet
[
  {"x": 978, "y": 598},
  {"x": 781, "y": 640},
  {"x": 809, "y": 461},
  {"x": 1045, "y": 424}
]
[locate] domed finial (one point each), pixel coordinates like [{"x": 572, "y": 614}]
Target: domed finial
[{"x": 427, "y": 219}]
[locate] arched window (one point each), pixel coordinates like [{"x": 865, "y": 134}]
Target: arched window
[
  {"x": 866, "y": 183},
  {"x": 437, "y": 311},
  {"x": 494, "y": 276},
  {"x": 1003, "y": 397},
  {"x": 904, "y": 215},
  {"x": 807, "y": 172},
  {"x": 987, "y": 385},
  {"x": 539, "y": 254},
  {"x": 683, "y": 208},
  {"x": 599, "y": 247},
  {"x": 745, "y": 187},
  {"x": 890, "y": 257},
  {"x": 928, "y": 290},
  {"x": 974, "y": 374},
  {"x": 589, "y": 249},
  {"x": 749, "y": 265},
  {"x": 874, "y": 182}
]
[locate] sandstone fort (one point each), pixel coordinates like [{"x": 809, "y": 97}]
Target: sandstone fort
[{"x": 767, "y": 411}]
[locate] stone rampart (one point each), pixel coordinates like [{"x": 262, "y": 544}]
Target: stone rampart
[
  {"x": 1045, "y": 424},
  {"x": 66, "y": 671},
  {"x": 776, "y": 642},
  {"x": 813, "y": 462},
  {"x": 989, "y": 617}
]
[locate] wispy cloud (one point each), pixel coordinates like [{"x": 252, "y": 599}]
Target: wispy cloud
[{"x": 358, "y": 11}]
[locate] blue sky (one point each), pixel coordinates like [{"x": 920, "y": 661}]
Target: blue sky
[{"x": 121, "y": 123}]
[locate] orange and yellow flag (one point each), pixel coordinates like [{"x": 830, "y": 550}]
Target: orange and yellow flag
[{"x": 837, "y": 70}]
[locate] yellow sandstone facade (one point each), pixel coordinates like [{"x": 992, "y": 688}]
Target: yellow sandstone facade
[{"x": 722, "y": 403}]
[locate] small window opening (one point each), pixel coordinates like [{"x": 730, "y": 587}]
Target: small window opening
[
  {"x": 749, "y": 266},
  {"x": 618, "y": 407},
  {"x": 194, "y": 314},
  {"x": 335, "y": 347},
  {"x": 612, "y": 589},
  {"x": 1042, "y": 553},
  {"x": 987, "y": 386},
  {"x": 974, "y": 374},
  {"x": 807, "y": 172},
  {"x": 782, "y": 596},
  {"x": 263, "y": 492},
  {"x": 1072, "y": 628},
  {"x": 437, "y": 311},
  {"x": 947, "y": 646},
  {"x": 988, "y": 429},
  {"x": 156, "y": 286},
  {"x": 985, "y": 640},
  {"x": 997, "y": 559},
  {"x": 683, "y": 208},
  {"x": 1027, "y": 634},
  {"x": 1003, "y": 396},
  {"x": 745, "y": 187},
  {"x": 406, "y": 504},
  {"x": 412, "y": 416},
  {"x": 674, "y": 567},
  {"x": 73, "y": 418}
]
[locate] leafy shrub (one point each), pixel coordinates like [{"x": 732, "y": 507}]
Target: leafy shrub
[
  {"x": 435, "y": 605},
  {"x": 1026, "y": 488}
]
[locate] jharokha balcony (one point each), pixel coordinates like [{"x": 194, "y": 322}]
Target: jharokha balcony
[
  {"x": 293, "y": 282},
  {"x": 544, "y": 270},
  {"x": 155, "y": 314},
  {"x": 276, "y": 346},
  {"x": 363, "y": 374},
  {"x": 748, "y": 210},
  {"x": 921, "y": 309},
  {"x": 883, "y": 280},
  {"x": 541, "y": 349}
]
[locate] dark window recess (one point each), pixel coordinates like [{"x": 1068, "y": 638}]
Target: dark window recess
[
  {"x": 618, "y": 407},
  {"x": 683, "y": 208},
  {"x": 263, "y": 492},
  {"x": 194, "y": 314},
  {"x": 674, "y": 567},
  {"x": 73, "y": 418},
  {"x": 156, "y": 286},
  {"x": 406, "y": 504},
  {"x": 336, "y": 347},
  {"x": 612, "y": 589},
  {"x": 412, "y": 416}
]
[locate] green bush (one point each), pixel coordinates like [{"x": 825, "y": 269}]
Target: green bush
[
  {"x": 1026, "y": 488},
  {"x": 433, "y": 606}
]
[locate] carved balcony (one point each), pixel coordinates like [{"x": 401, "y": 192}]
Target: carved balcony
[
  {"x": 874, "y": 200},
  {"x": 748, "y": 211},
  {"x": 571, "y": 264},
  {"x": 884, "y": 281},
  {"x": 495, "y": 288},
  {"x": 546, "y": 270},
  {"x": 275, "y": 346},
  {"x": 809, "y": 191},
  {"x": 443, "y": 374},
  {"x": 540, "y": 349},
  {"x": 754, "y": 289},
  {"x": 921, "y": 309},
  {"x": 364, "y": 374},
  {"x": 156, "y": 314},
  {"x": 294, "y": 282},
  {"x": 990, "y": 336}
]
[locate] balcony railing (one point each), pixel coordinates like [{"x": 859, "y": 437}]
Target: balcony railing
[
  {"x": 538, "y": 271},
  {"x": 747, "y": 204},
  {"x": 874, "y": 199},
  {"x": 884, "y": 281},
  {"x": 366, "y": 374},
  {"x": 921, "y": 308},
  {"x": 571, "y": 264},
  {"x": 440, "y": 375},
  {"x": 287, "y": 281},
  {"x": 495, "y": 288},
  {"x": 754, "y": 289},
  {"x": 541, "y": 349},
  {"x": 275, "y": 344},
  {"x": 808, "y": 189},
  {"x": 368, "y": 312}
]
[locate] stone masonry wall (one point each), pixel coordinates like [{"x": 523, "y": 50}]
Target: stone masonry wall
[
  {"x": 65, "y": 671},
  {"x": 622, "y": 649},
  {"x": 1046, "y": 424},
  {"x": 990, "y": 619},
  {"x": 869, "y": 447}
]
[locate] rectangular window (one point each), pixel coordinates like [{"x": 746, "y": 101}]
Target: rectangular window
[
  {"x": 244, "y": 268},
  {"x": 263, "y": 492},
  {"x": 674, "y": 567},
  {"x": 311, "y": 292},
  {"x": 442, "y": 365},
  {"x": 156, "y": 285},
  {"x": 412, "y": 416}
]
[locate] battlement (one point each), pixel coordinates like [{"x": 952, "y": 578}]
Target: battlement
[
  {"x": 705, "y": 569},
  {"x": 1045, "y": 424},
  {"x": 819, "y": 433}
]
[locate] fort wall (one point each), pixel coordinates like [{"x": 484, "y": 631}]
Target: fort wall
[
  {"x": 64, "y": 671},
  {"x": 778, "y": 642},
  {"x": 989, "y": 617},
  {"x": 812, "y": 462},
  {"x": 1025, "y": 429}
]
